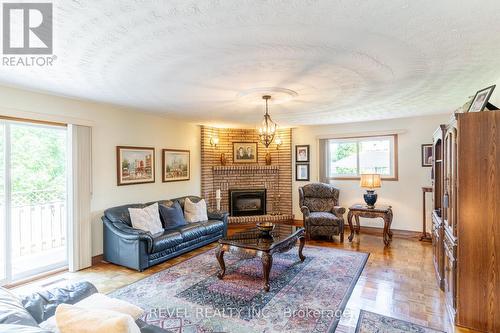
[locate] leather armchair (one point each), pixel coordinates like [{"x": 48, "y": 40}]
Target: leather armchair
[{"x": 321, "y": 212}]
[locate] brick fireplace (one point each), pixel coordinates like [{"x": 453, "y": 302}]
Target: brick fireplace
[{"x": 274, "y": 180}]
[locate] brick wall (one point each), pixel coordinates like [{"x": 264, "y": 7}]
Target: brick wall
[{"x": 277, "y": 178}]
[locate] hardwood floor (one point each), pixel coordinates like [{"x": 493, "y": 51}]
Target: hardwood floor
[{"x": 397, "y": 281}]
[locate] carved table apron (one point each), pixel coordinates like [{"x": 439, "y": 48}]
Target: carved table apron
[
  {"x": 384, "y": 212},
  {"x": 266, "y": 254}
]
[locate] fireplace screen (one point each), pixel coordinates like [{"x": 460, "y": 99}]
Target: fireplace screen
[{"x": 247, "y": 202}]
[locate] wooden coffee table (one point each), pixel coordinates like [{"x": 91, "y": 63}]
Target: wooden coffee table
[{"x": 253, "y": 242}]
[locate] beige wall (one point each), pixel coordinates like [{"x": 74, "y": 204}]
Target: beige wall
[
  {"x": 404, "y": 195},
  {"x": 113, "y": 126}
]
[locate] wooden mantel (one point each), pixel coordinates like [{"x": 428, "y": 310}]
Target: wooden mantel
[{"x": 246, "y": 169}]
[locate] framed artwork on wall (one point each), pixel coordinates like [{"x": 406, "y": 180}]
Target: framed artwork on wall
[
  {"x": 481, "y": 99},
  {"x": 244, "y": 152},
  {"x": 302, "y": 153},
  {"x": 427, "y": 155},
  {"x": 135, "y": 165},
  {"x": 175, "y": 165},
  {"x": 302, "y": 172}
]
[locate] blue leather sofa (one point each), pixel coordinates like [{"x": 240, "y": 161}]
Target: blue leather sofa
[
  {"x": 23, "y": 314},
  {"x": 137, "y": 249}
]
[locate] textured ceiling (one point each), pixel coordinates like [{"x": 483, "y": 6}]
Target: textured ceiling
[{"x": 347, "y": 60}]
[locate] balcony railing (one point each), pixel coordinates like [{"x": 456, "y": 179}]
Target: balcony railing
[{"x": 38, "y": 223}]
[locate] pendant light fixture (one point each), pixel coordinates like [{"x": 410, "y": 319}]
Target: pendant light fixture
[{"x": 267, "y": 129}]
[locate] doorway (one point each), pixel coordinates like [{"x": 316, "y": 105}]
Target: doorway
[{"x": 33, "y": 199}]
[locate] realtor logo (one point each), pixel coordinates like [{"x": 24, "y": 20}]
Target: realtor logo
[{"x": 27, "y": 28}]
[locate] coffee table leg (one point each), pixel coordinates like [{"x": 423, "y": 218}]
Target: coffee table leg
[
  {"x": 220, "y": 258},
  {"x": 302, "y": 241},
  {"x": 267, "y": 263},
  {"x": 349, "y": 220}
]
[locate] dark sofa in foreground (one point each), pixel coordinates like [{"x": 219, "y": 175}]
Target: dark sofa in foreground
[
  {"x": 138, "y": 249},
  {"x": 23, "y": 314}
]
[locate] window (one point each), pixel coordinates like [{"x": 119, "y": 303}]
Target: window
[{"x": 350, "y": 157}]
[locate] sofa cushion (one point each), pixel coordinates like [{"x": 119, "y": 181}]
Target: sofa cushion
[
  {"x": 213, "y": 226},
  {"x": 42, "y": 304},
  {"x": 195, "y": 211},
  {"x": 323, "y": 219},
  {"x": 121, "y": 214},
  {"x": 192, "y": 231},
  {"x": 172, "y": 216},
  {"x": 73, "y": 319},
  {"x": 318, "y": 204},
  {"x": 147, "y": 218},
  {"x": 12, "y": 310},
  {"x": 166, "y": 240}
]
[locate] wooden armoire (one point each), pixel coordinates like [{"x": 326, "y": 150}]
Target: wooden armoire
[{"x": 466, "y": 218}]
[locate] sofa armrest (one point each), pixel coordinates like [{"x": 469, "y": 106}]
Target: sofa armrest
[
  {"x": 221, "y": 216},
  {"x": 215, "y": 215},
  {"x": 42, "y": 304},
  {"x": 305, "y": 211},
  {"x": 338, "y": 211},
  {"x": 124, "y": 231}
]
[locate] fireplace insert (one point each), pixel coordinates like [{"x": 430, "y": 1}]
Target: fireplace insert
[{"x": 247, "y": 202}]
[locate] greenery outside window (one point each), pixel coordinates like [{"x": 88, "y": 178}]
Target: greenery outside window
[{"x": 348, "y": 158}]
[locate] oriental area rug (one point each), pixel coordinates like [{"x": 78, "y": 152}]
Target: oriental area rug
[
  {"x": 370, "y": 322},
  {"x": 307, "y": 296}
]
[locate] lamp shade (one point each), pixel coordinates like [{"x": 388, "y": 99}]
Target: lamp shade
[{"x": 371, "y": 180}]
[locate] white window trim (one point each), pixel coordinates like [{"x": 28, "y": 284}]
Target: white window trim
[{"x": 394, "y": 152}]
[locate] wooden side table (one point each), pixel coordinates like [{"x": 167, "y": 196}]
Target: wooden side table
[{"x": 384, "y": 212}]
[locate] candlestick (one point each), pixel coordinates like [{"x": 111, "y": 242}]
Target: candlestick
[{"x": 217, "y": 198}]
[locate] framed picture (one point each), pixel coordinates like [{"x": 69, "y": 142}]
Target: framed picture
[
  {"x": 302, "y": 153},
  {"x": 302, "y": 172},
  {"x": 135, "y": 165},
  {"x": 481, "y": 99},
  {"x": 245, "y": 152},
  {"x": 427, "y": 155},
  {"x": 175, "y": 165}
]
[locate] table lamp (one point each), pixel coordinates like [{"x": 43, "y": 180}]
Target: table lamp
[{"x": 370, "y": 182}]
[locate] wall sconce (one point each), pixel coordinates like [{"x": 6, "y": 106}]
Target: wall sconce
[
  {"x": 214, "y": 141},
  {"x": 278, "y": 142}
]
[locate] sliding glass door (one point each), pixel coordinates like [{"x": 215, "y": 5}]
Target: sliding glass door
[
  {"x": 3, "y": 229},
  {"x": 34, "y": 196}
]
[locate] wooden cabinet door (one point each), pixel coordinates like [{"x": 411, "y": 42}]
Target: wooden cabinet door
[
  {"x": 437, "y": 248},
  {"x": 478, "y": 278},
  {"x": 450, "y": 274}
]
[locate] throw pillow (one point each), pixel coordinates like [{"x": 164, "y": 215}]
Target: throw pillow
[
  {"x": 104, "y": 302},
  {"x": 172, "y": 216},
  {"x": 195, "y": 212},
  {"x": 73, "y": 319},
  {"x": 99, "y": 302},
  {"x": 147, "y": 218}
]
